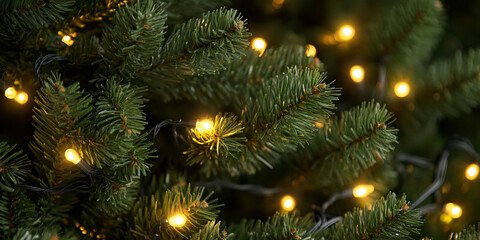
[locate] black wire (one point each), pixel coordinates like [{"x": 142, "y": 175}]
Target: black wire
[{"x": 43, "y": 61}]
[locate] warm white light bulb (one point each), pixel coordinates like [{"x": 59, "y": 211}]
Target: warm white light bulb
[
  {"x": 402, "y": 89},
  {"x": 72, "y": 156},
  {"x": 345, "y": 33},
  {"x": 311, "y": 51},
  {"x": 288, "y": 203},
  {"x": 357, "y": 73},
  {"x": 472, "y": 171},
  {"x": 259, "y": 44},
  {"x": 361, "y": 191},
  {"x": 21, "y": 97},
  {"x": 10, "y": 93},
  {"x": 178, "y": 220},
  {"x": 204, "y": 125},
  {"x": 453, "y": 210}
]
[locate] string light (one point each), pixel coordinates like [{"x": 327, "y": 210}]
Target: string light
[
  {"x": 259, "y": 44},
  {"x": 178, "y": 220},
  {"x": 67, "y": 39},
  {"x": 445, "y": 218},
  {"x": 311, "y": 51},
  {"x": 402, "y": 89},
  {"x": 277, "y": 4},
  {"x": 471, "y": 172},
  {"x": 453, "y": 210},
  {"x": 72, "y": 156},
  {"x": 10, "y": 93},
  {"x": 21, "y": 97},
  {"x": 288, "y": 203},
  {"x": 204, "y": 126},
  {"x": 345, "y": 33},
  {"x": 357, "y": 73},
  {"x": 361, "y": 191}
]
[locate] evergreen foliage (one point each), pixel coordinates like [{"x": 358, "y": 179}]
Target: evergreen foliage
[
  {"x": 13, "y": 167},
  {"x": 472, "y": 232},
  {"x": 387, "y": 218}
]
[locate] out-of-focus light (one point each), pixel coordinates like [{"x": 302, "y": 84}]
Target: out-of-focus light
[
  {"x": 402, "y": 89},
  {"x": 357, "y": 73},
  {"x": 311, "y": 51},
  {"x": 288, "y": 203},
  {"x": 471, "y": 172},
  {"x": 259, "y": 44},
  {"x": 277, "y": 4},
  {"x": 453, "y": 210},
  {"x": 361, "y": 191},
  {"x": 21, "y": 97},
  {"x": 345, "y": 33},
  {"x": 67, "y": 40},
  {"x": 10, "y": 93}
]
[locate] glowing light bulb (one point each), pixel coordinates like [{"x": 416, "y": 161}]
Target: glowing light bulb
[
  {"x": 402, "y": 89},
  {"x": 311, "y": 51},
  {"x": 471, "y": 173},
  {"x": 10, "y": 93},
  {"x": 357, "y": 73},
  {"x": 21, "y": 97},
  {"x": 259, "y": 44},
  {"x": 288, "y": 203},
  {"x": 453, "y": 210},
  {"x": 445, "y": 218},
  {"x": 72, "y": 156},
  {"x": 178, "y": 220},
  {"x": 204, "y": 125},
  {"x": 345, "y": 33},
  {"x": 67, "y": 40},
  {"x": 361, "y": 191}
]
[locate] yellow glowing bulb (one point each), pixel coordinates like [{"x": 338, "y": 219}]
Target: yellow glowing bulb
[
  {"x": 311, "y": 51},
  {"x": 67, "y": 40},
  {"x": 178, "y": 220},
  {"x": 345, "y": 33},
  {"x": 445, "y": 218},
  {"x": 402, "y": 89},
  {"x": 204, "y": 125},
  {"x": 288, "y": 203},
  {"x": 21, "y": 97},
  {"x": 453, "y": 210},
  {"x": 357, "y": 73},
  {"x": 259, "y": 44},
  {"x": 10, "y": 93},
  {"x": 471, "y": 173},
  {"x": 361, "y": 191},
  {"x": 72, "y": 156}
]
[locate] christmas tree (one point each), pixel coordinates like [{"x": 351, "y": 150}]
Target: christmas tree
[{"x": 171, "y": 119}]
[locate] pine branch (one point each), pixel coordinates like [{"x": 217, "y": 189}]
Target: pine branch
[
  {"x": 449, "y": 87},
  {"x": 349, "y": 144},
  {"x": 200, "y": 46},
  {"x": 17, "y": 211},
  {"x": 13, "y": 167},
  {"x": 132, "y": 45},
  {"x": 407, "y": 32},
  {"x": 212, "y": 231},
  {"x": 114, "y": 198},
  {"x": 151, "y": 213},
  {"x": 17, "y": 16},
  {"x": 387, "y": 218},
  {"x": 281, "y": 226},
  {"x": 282, "y": 114},
  {"x": 181, "y": 11},
  {"x": 243, "y": 77},
  {"x": 472, "y": 232}
]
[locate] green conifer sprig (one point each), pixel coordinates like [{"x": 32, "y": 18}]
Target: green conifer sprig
[
  {"x": 278, "y": 227},
  {"x": 387, "y": 218},
  {"x": 472, "y": 232},
  {"x": 133, "y": 44},
  {"x": 350, "y": 143},
  {"x": 14, "y": 166},
  {"x": 212, "y": 231},
  {"x": 17, "y": 212},
  {"x": 200, "y": 46},
  {"x": 152, "y": 213},
  {"x": 449, "y": 87},
  {"x": 17, "y": 16},
  {"x": 407, "y": 31}
]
